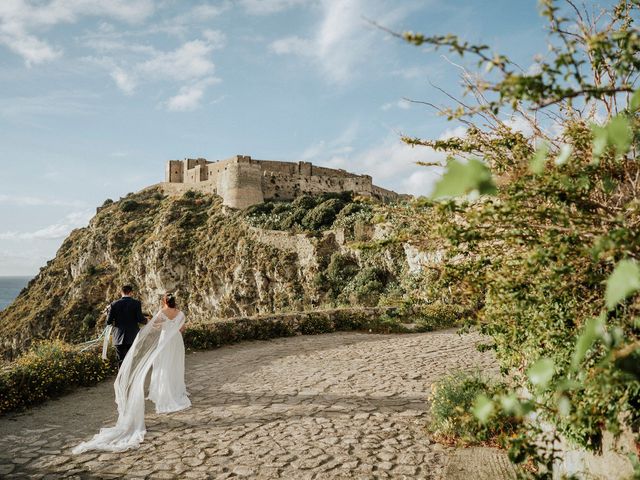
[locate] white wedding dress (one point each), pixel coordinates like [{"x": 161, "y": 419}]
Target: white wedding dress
[{"x": 158, "y": 347}]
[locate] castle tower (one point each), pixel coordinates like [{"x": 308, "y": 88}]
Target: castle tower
[
  {"x": 197, "y": 170},
  {"x": 305, "y": 168},
  {"x": 240, "y": 183},
  {"x": 174, "y": 171}
]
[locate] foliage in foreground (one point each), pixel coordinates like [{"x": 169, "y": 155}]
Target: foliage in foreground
[
  {"x": 546, "y": 241},
  {"x": 452, "y": 416},
  {"x": 47, "y": 370}
]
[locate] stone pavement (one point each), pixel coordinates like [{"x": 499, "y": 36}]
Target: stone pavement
[{"x": 337, "y": 406}]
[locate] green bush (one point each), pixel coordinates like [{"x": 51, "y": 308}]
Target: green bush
[
  {"x": 190, "y": 194},
  {"x": 191, "y": 220},
  {"x": 280, "y": 207},
  {"x": 367, "y": 286},
  {"x": 452, "y": 404},
  {"x": 49, "y": 369},
  {"x": 304, "y": 202},
  {"x": 129, "y": 205},
  {"x": 306, "y": 212},
  {"x": 89, "y": 321},
  {"x": 322, "y": 215},
  {"x": 341, "y": 269},
  {"x": 260, "y": 209},
  {"x": 438, "y": 315}
]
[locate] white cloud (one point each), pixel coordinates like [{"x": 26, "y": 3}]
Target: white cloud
[
  {"x": 294, "y": 45},
  {"x": 23, "y": 261},
  {"x": 120, "y": 154},
  {"x": 343, "y": 39},
  {"x": 266, "y": 7},
  {"x": 28, "y": 201},
  {"x": 216, "y": 38},
  {"x": 204, "y": 12},
  {"x": 313, "y": 150},
  {"x": 189, "y": 64},
  {"x": 457, "y": 132},
  {"x": 411, "y": 73},
  {"x": 124, "y": 80},
  {"x": 54, "y": 231},
  {"x": 190, "y": 60},
  {"x": 189, "y": 96},
  {"x": 422, "y": 181},
  {"x": 337, "y": 147},
  {"x": 21, "y": 21},
  {"x": 54, "y": 103},
  {"x": 29, "y": 47},
  {"x": 391, "y": 163},
  {"x": 402, "y": 104},
  {"x": 518, "y": 123}
]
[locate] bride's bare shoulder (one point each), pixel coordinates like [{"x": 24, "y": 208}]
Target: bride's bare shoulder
[{"x": 171, "y": 313}]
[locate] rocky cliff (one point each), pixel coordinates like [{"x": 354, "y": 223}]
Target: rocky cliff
[{"x": 219, "y": 263}]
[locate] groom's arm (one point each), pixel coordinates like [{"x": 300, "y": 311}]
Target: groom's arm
[
  {"x": 111, "y": 316},
  {"x": 140, "y": 317}
]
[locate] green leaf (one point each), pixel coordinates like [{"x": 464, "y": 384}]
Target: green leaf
[
  {"x": 482, "y": 408},
  {"x": 564, "y": 406},
  {"x": 536, "y": 165},
  {"x": 511, "y": 405},
  {"x": 600, "y": 141},
  {"x": 464, "y": 178},
  {"x": 619, "y": 134},
  {"x": 565, "y": 153},
  {"x": 634, "y": 103},
  {"x": 624, "y": 281},
  {"x": 592, "y": 329},
  {"x": 541, "y": 372}
]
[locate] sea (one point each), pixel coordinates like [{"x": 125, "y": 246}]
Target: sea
[{"x": 10, "y": 288}]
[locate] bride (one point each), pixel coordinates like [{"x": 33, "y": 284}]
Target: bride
[{"x": 159, "y": 348}]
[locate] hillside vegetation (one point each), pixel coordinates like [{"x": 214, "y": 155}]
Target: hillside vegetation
[{"x": 222, "y": 263}]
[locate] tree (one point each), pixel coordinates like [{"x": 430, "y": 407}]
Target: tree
[{"x": 548, "y": 224}]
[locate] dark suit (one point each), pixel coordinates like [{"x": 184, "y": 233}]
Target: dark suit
[{"x": 125, "y": 315}]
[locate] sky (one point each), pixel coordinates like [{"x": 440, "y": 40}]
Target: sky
[{"x": 95, "y": 95}]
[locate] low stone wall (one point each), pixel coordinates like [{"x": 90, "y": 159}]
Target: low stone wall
[
  {"x": 203, "y": 336},
  {"x": 611, "y": 464},
  {"x": 299, "y": 243},
  {"x": 181, "y": 188}
]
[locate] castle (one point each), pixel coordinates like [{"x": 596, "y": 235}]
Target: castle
[{"x": 242, "y": 181}]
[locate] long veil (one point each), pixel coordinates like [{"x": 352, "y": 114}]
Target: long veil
[{"x": 130, "y": 428}]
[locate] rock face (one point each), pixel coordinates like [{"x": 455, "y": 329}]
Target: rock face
[{"x": 217, "y": 264}]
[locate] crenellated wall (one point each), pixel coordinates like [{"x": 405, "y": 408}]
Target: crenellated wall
[{"x": 242, "y": 181}]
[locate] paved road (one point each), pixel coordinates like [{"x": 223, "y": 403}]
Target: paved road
[{"x": 338, "y": 406}]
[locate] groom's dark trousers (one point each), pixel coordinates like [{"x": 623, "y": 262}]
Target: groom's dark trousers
[{"x": 125, "y": 315}]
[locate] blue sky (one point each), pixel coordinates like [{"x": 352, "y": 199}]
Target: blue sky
[{"x": 95, "y": 95}]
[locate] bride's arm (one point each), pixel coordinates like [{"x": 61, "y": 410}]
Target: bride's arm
[
  {"x": 157, "y": 320},
  {"x": 184, "y": 325}
]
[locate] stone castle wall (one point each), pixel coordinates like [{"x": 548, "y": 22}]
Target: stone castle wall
[{"x": 242, "y": 181}]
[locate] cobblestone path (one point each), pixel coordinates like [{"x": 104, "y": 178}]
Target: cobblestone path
[{"x": 338, "y": 406}]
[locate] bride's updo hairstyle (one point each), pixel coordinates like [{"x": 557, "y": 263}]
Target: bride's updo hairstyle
[{"x": 170, "y": 300}]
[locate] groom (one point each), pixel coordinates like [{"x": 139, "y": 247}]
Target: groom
[{"x": 125, "y": 314}]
